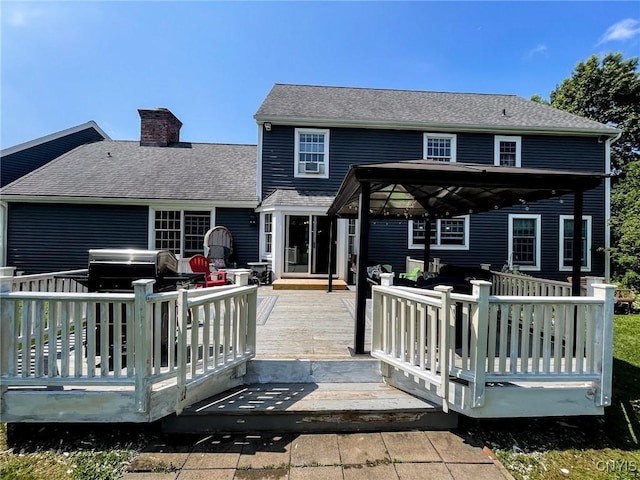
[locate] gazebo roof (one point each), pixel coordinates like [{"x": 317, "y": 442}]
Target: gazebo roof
[{"x": 424, "y": 188}]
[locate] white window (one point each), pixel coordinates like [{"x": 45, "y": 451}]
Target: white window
[
  {"x": 181, "y": 232},
  {"x": 507, "y": 151},
  {"x": 268, "y": 233},
  {"x": 566, "y": 243},
  {"x": 311, "y": 153},
  {"x": 445, "y": 234},
  {"x": 524, "y": 241},
  {"x": 439, "y": 147}
]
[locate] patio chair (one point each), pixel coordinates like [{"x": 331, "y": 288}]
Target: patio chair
[
  {"x": 413, "y": 275},
  {"x": 200, "y": 264},
  {"x": 218, "y": 247}
]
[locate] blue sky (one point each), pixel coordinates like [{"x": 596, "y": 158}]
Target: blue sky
[{"x": 212, "y": 63}]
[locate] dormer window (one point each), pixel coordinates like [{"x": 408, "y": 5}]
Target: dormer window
[{"x": 312, "y": 153}]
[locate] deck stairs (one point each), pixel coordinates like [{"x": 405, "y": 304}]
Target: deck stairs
[{"x": 294, "y": 395}]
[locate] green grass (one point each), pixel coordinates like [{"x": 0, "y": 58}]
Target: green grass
[{"x": 589, "y": 448}]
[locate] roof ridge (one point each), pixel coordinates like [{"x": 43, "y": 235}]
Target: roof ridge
[{"x": 397, "y": 90}]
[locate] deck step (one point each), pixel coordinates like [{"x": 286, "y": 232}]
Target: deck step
[
  {"x": 310, "y": 407},
  {"x": 344, "y": 370},
  {"x": 307, "y": 284}
]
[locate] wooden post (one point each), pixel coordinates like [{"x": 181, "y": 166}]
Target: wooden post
[
  {"x": 427, "y": 247},
  {"x": 241, "y": 277},
  {"x": 363, "y": 250},
  {"x": 330, "y": 267},
  {"x": 444, "y": 347},
  {"x": 182, "y": 306},
  {"x": 479, "y": 334},
  {"x": 142, "y": 352},
  {"x": 7, "y": 333},
  {"x": 604, "y": 342},
  {"x": 386, "y": 279}
]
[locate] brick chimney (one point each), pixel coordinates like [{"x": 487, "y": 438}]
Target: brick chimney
[{"x": 158, "y": 127}]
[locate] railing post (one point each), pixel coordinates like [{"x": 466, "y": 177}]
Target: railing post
[
  {"x": 251, "y": 327},
  {"x": 591, "y": 281},
  {"x": 604, "y": 342},
  {"x": 182, "y": 305},
  {"x": 378, "y": 315},
  {"x": 386, "y": 279},
  {"x": 479, "y": 334},
  {"x": 241, "y": 278},
  {"x": 444, "y": 352},
  {"x": 7, "y": 339},
  {"x": 142, "y": 351}
]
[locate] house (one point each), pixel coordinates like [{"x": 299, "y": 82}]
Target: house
[
  {"x": 309, "y": 136},
  {"x": 21, "y": 159},
  {"x": 158, "y": 192}
]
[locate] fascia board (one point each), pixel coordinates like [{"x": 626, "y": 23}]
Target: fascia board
[
  {"x": 436, "y": 127},
  {"x": 128, "y": 201}
]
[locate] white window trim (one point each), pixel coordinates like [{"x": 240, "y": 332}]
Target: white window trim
[
  {"x": 296, "y": 153},
  {"x": 452, "y": 136},
  {"x": 562, "y": 267},
  {"x": 496, "y": 148},
  {"x": 437, "y": 246},
  {"x": 152, "y": 224},
  {"x": 538, "y": 219},
  {"x": 263, "y": 235}
]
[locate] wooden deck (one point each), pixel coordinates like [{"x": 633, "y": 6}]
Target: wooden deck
[
  {"x": 309, "y": 324},
  {"x": 308, "y": 284}
]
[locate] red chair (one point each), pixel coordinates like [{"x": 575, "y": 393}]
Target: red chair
[{"x": 200, "y": 264}]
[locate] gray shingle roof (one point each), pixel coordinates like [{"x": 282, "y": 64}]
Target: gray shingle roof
[
  {"x": 298, "y": 198},
  {"x": 325, "y": 105},
  {"x": 125, "y": 170}
]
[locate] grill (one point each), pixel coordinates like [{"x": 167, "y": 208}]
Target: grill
[{"x": 114, "y": 270}]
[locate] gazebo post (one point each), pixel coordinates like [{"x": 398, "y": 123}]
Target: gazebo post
[
  {"x": 427, "y": 245},
  {"x": 332, "y": 220},
  {"x": 577, "y": 242},
  {"x": 361, "y": 283}
]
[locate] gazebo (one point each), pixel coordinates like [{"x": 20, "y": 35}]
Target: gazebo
[{"x": 428, "y": 190}]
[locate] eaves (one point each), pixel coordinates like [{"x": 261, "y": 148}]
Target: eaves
[{"x": 436, "y": 127}]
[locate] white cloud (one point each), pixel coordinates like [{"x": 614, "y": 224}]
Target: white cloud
[
  {"x": 540, "y": 49},
  {"x": 623, "y": 30},
  {"x": 21, "y": 15}
]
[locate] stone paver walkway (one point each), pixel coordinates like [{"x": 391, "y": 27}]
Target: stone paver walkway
[{"x": 417, "y": 455}]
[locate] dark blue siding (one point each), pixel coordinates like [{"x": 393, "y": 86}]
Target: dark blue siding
[
  {"x": 245, "y": 236},
  {"x": 54, "y": 237},
  {"x": 346, "y": 147},
  {"x": 20, "y": 163},
  {"x": 488, "y": 231}
]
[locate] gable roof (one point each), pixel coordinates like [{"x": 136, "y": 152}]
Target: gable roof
[
  {"x": 125, "y": 171},
  {"x": 347, "y": 106},
  {"x": 25, "y": 157}
]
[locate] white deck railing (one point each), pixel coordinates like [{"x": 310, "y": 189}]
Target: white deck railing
[
  {"x": 137, "y": 341},
  {"x": 484, "y": 339},
  {"x": 46, "y": 282}
]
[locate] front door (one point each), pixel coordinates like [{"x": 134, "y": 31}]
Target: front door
[{"x": 307, "y": 245}]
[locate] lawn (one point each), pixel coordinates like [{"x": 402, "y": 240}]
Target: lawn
[{"x": 533, "y": 449}]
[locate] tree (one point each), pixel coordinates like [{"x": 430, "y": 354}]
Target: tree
[
  {"x": 608, "y": 91},
  {"x": 625, "y": 225}
]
